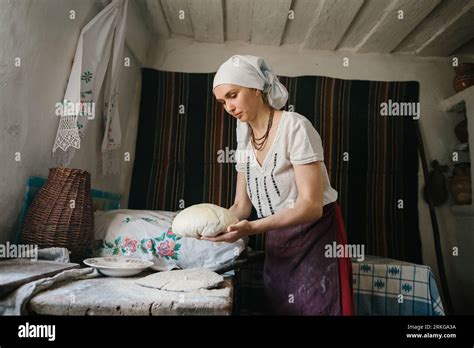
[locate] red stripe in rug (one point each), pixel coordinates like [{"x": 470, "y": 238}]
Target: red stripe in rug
[{"x": 345, "y": 269}]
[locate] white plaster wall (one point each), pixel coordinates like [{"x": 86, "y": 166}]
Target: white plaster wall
[
  {"x": 42, "y": 35},
  {"x": 435, "y": 76}
]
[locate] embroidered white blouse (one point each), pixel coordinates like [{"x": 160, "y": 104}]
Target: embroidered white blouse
[{"x": 272, "y": 185}]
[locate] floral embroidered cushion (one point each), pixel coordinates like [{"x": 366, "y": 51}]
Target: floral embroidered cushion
[{"x": 147, "y": 235}]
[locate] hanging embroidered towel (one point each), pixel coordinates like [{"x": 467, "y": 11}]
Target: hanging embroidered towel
[
  {"x": 100, "y": 39},
  {"x": 112, "y": 131}
]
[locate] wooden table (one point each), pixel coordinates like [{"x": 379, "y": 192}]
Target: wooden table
[{"x": 121, "y": 296}]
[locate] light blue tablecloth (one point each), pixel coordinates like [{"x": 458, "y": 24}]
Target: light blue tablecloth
[{"x": 391, "y": 287}]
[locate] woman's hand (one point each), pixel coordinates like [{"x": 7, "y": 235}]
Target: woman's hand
[{"x": 234, "y": 233}]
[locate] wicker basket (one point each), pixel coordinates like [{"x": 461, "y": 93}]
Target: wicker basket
[{"x": 61, "y": 214}]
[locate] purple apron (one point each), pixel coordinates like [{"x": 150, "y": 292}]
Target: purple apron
[{"x": 298, "y": 278}]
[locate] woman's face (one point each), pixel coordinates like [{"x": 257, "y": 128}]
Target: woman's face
[{"x": 241, "y": 102}]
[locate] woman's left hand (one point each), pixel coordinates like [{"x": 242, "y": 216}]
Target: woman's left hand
[{"x": 233, "y": 234}]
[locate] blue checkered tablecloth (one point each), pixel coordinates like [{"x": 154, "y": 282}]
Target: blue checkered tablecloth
[{"x": 391, "y": 287}]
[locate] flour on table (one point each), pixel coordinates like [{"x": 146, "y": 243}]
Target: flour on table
[{"x": 182, "y": 280}]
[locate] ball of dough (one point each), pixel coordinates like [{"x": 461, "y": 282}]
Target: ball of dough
[{"x": 204, "y": 219}]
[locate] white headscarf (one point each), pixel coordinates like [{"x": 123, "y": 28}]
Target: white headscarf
[{"x": 252, "y": 72}]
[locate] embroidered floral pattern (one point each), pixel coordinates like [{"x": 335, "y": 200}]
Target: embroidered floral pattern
[
  {"x": 129, "y": 219},
  {"x": 84, "y": 94},
  {"x": 130, "y": 244},
  {"x": 87, "y": 76},
  {"x": 165, "y": 246}
]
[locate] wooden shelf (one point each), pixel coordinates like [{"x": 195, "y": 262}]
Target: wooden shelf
[
  {"x": 463, "y": 210},
  {"x": 457, "y": 103},
  {"x": 463, "y": 102}
]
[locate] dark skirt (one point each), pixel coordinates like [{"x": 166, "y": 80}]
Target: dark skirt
[{"x": 298, "y": 278}]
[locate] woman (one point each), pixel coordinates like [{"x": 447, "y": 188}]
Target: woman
[{"x": 281, "y": 172}]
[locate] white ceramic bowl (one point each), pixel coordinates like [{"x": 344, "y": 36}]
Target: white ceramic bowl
[{"x": 118, "y": 266}]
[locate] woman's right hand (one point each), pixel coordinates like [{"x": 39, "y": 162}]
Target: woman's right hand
[{"x": 234, "y": 232}]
